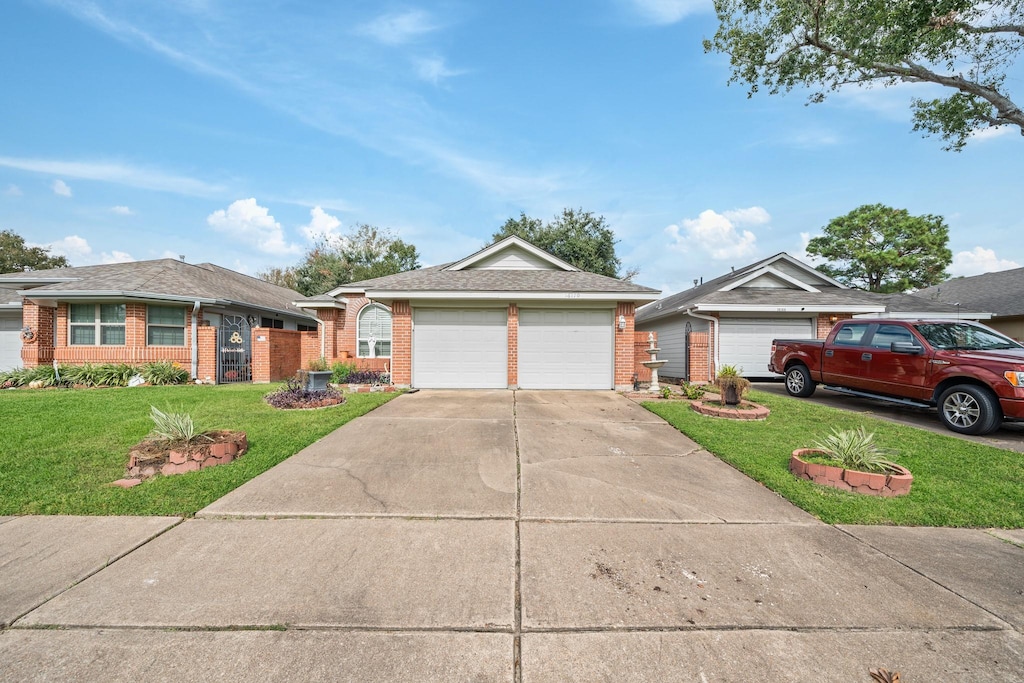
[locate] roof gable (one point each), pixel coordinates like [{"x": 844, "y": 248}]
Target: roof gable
[
  {"x": 768, "y": 277},
  {"x": 511, "y": 253}
]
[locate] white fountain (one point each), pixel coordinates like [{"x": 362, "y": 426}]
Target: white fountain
[{"x": 653, "y": 363}]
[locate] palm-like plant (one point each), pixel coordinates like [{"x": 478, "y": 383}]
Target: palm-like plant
[{"x": 856, "y": 449}]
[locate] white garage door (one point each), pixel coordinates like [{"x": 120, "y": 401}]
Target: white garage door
[
  {"x": 747, "y": 342},
  {"x": 460, "y": 348},
  {"x": 566, "y": 349},
  {"x": 10, "y": 342}
]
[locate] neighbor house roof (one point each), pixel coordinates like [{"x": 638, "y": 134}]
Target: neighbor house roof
[
  {"x": 464, "y": 279},
  {"x": 726, "y": 293},
  {"x": 161, "y": 280},
  {"x": 1002, "y": 293}
]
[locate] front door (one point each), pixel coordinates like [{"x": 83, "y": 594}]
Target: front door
[{"x": 234, "y": 350}]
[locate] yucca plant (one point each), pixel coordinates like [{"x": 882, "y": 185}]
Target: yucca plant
[
  {"x": 164, "y": 372},
  {"x": 89, "y": 374},
  {"x": 176, "y": 428},
  {"x": 855, "y": 449},
  {"x": 118, "y": 374}
]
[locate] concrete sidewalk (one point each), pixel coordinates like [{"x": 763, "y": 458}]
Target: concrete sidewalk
[{"x": 513, "y": 536}]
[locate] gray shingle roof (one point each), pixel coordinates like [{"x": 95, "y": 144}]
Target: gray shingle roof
[
  {"x": 436, "y": 279},
  {"x": 1000, "y": 293},
  {"x": 164, "y": 277}
]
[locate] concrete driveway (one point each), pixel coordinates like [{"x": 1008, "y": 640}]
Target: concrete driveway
[
  {"x": 1009, "y": 436},
  {"x": 522, "y": 536}
]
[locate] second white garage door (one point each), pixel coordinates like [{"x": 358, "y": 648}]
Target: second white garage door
[
  {"x": 566, "y": 349},
  {"x": 460, "y": 348},
  {"x": 747, "y": 342},
  {"x": 10, "y": 342}
]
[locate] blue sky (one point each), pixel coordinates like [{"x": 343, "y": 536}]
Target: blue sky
[{"x": 232, "y": 131}]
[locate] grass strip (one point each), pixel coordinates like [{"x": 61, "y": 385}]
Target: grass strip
[
  {"x": 61, "y": 448},
  {"x": 957, "y": 483}
]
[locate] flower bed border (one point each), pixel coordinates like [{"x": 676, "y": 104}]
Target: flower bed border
[
  {"x": 188, "y": 459},
  {"x": 870, "y": 483},
  {"x": 755, "y": 412}
]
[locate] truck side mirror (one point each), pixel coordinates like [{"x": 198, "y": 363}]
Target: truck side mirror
[{"x": 906, "y": 347}]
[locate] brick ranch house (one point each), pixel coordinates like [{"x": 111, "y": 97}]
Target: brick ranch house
[
  {"x": 732, "y": 319},
  {"x": 201, "y": 316},
  {"x": 508, "y": 316}
]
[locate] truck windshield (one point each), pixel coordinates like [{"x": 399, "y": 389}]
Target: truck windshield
[{"x": 964, "y": 336}]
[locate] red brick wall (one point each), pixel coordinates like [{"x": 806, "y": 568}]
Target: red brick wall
[
  {"x": 624, "y": 346},
  {"x": 513, "y": 345},
  {"x": 640, "y": 346},
  {"x": 309, "y": 348},
  {"x": 135, "y": 351},
  {"x": 700, "y": 353},
  {"x": 401, "y": 343},
  {"x": 207, "y": 342},
  {"x": 38, "y": 351},
  {"x": 825, "y": 325}
]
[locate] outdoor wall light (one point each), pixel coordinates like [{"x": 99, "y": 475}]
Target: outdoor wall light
[
  {"x": 833, "y": 318},
  {"x": 622, "y": 322}
]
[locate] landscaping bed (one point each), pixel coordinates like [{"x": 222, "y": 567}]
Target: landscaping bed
[
  {"x": 957, "y": 483},
  {"x": 61, "y": 449}
]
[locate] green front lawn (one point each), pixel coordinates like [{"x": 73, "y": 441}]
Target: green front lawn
[
  {"x": 956, "y": 483},
  {"x": 61, "y": 448}
]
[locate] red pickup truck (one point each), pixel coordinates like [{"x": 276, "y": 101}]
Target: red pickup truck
[{"x": 973, "y": 374}]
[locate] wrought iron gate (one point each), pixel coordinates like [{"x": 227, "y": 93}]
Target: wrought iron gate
[
  {"x": 234, "y": 357},
  {"x": 686, "y": 352}
]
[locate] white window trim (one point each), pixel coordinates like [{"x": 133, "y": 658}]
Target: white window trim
[
  {"x": 97, "y": 325},
  {"x": 184, "y": 328},
  {"x": 359, "y": 338}
]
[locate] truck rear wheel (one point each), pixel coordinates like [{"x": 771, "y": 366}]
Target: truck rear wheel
[
  {"x": 799, "y": 382},
  {"x": 969, "y": 409}
]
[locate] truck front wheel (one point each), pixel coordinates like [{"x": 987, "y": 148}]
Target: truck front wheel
[
  {"x": 969, "y": 409},
  {"x": 799, "y": 382}
]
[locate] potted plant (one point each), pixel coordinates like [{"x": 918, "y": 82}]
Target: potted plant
[
  {"x": 318, "y": 374},
  {"x": 731, "y": 385},
  {"x": 851, "y": 460}
]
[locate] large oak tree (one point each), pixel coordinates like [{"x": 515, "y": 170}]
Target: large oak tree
[
  {"x": 882, "y": 249},
  {"x": 15, "y": 256},
  {"x": 827, "y": 44}
]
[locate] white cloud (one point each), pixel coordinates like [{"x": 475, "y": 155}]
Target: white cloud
[
  {"x": 121, "y": 210},
  {"x": 801, "y": 253},
  {"x": 991, "y": 133},
  {"x": 61, "y": 189},
  {"x": 434, "y": 70},
  {"x": 977, "y": 261},
  {"x": 75, "y": 248},
  {"x": 122, "y": 174},
  {"x": 13, "y": 191},
  {"x": 246, "y": 220},
  {"x": 669, "y": 11},
  {"x": 396, "y": 28},
  {"x": 717, "y": 235},
  {"x": 322, "y": 225},
  {"x": 116, "y": 257}
]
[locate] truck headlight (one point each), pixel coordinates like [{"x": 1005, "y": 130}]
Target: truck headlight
[{"x": 1014, "y": 378}]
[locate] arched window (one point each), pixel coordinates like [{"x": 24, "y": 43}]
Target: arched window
[{"x": 373, "y": 332}]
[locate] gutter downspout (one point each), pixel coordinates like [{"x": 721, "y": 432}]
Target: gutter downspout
[
  {"x": 195, "y": 341},
  {"x": 712, "y": 359}
]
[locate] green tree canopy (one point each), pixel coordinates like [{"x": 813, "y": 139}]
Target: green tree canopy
[
  {"x": 825, "y": 44},
  {"x": 577, "y": 237},
  {"x": 882, "y": 249},
  {"x": 364, "y": 253},
  {"x": 15, "y": 256}
]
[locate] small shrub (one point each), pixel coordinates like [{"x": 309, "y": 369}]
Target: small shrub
[
  {"x": 164, "y": 373},
  {"x": 366, "y": 377},
  {"x": 855, "y": 449},
  {"x": 177, "y": 428},
  {"x": 319, "y": 365},
  {"x": 728, "y": 371},
  {"x": 341, "y": 372},
  {"x": 692, "y": 391},
  {"x": 295, "y": 395},
  {"x": 666, "y": 392},
  {"x": 117, "y": 374}
]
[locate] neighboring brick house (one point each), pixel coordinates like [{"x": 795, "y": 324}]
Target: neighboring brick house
[
  {"x": 732, "y": 319},
  {"x": 508, "y": 316},
  {"x": 208, "y": 319}
]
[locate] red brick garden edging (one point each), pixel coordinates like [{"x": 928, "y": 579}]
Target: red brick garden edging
[
  {"x": 143, "y": 463},
  {"x": 750, "y": 411},
  {"x": 887, "y": 485}
]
